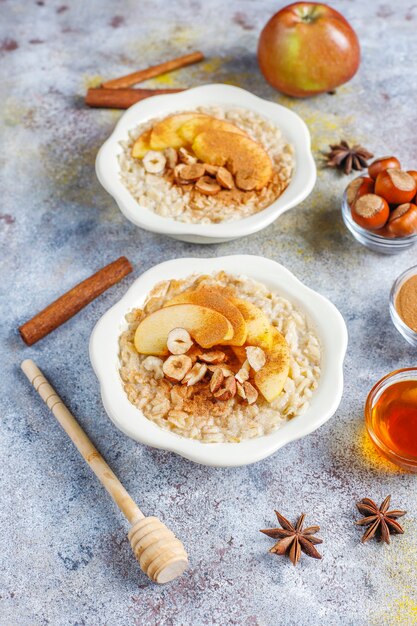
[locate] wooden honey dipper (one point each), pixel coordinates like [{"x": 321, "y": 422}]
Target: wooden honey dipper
[{"x": 160, "y": 554}]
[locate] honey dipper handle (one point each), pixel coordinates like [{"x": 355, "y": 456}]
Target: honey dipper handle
[{"x": 85, "y": 447}]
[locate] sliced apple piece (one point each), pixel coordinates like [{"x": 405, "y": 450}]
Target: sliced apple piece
[
  {"x": 257, "y": 323},
  {"x": 271, "y": 378},
  {"x": 195, "y": 126},
  {"x": 165, "y": 134},
  {"x": 142, "y": 145},
  {"x": 207, "y": 327},
  {"x": 212, "y": 298},
  {"x": 242, "y": 155}
]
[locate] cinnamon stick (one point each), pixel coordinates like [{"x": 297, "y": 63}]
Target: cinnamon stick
[
  {"x": 73, "y": 301},
  {"x": 155, "y": 70},
  {"x": 121, "y": 98}
]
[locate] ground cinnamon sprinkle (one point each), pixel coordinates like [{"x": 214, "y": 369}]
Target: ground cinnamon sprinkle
[{"x": 406, "y": 302}]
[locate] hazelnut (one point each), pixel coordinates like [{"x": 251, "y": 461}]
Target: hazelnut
[
  {"x": 395, "y": 186},
  {"x": 243, "y": 373},
  {"x": 226, "y": 371},
  {"x": 224, "y": 178},
  {"x": 403, "y": 220},
  {"x": 179, "y": 341},
  {"x": 240, "y": 391},
  {"x": 216, "y": 380},
  {"x": 177, "y": 366},
  {"x": 177, "y": 174},
  {"x": 186, "y": 157},
  {"x": 196, "y": 374},
  {"x": 381, "y": 164},
  {"x": 211, "y": 170},
  {"x": 227, "y": 390},
  {"x": 370, "y": 211},
  {"x": 208, "y": 186},
  {"x": 358, "y": 188},
  {"x": 154, "y": 162},
  {"x": 171, "y": 157},
  {"x": 250, "y": 392},
  {"x": 214, "y": 356},
  {"x": 193, "y": 172}
]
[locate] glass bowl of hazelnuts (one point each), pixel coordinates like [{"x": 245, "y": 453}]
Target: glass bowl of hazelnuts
[{"x": 380, "y": 209}]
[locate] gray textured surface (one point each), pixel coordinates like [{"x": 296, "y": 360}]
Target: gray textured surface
[{"x": 65, "y": 558}]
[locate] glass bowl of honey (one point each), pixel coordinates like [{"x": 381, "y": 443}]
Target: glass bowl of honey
[{"x": 391, "y": 417}]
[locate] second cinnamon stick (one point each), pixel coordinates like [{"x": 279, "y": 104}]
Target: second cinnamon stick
[
  {"x": 155, "y": 70},
  {"x": 121, "y": 98},
  {"x": 73, "y": 301}
]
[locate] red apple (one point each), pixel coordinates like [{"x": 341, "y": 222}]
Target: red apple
[{"x": 308, "y": 48}]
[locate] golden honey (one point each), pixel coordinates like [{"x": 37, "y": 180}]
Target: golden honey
[{"x": 391, "y": 417}]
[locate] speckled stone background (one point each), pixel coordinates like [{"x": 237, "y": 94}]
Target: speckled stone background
[{"x": 65, "y": 559}]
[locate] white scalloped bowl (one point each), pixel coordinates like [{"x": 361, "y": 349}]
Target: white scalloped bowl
[
  {"x": 329, "y": 324},
  {"x": 292, "y": 126}
]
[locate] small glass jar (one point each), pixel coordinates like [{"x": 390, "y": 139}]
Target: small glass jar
[
  {"x": 404, "y": 460},
  {"x": 408, "y": 334},
  {"x": 370, "y": 239}
]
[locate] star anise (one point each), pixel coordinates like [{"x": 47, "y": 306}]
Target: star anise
[
  {"x": 293, "y": 539},
  {"x": 380, "y": 521},
  {"x": 346, "y": 158}
]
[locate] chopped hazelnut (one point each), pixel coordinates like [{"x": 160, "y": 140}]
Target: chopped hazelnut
[
  {"x": 186, "y": 157},
  {"x": 208, "y": 186},
  {"x": 196, "y": 374},
  {"x": 193, "y": 172},
  {"x": 227, "y": 390},
  {"x": 216, "y": 380},
  {"x": 171, "y": 157},
  {"x": 243, "y": 373},
  {"x": 224, "y": 178},
  {"x": 250, "y": 392},
  {"x": 214, "y": 356}
]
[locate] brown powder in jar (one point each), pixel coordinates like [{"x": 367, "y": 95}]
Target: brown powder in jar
[{"x": 406, "y": 302}]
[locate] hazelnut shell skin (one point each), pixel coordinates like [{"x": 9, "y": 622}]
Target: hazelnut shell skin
[
  {"x": 403, "y": 221},
  {"x": 385, "y": 187},
  {"x": 382, "y": 164},
  {"x": 373, "y": 222}
]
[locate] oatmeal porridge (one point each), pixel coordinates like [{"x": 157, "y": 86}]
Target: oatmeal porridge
[
  {"x": 218, "y": 358},
  {"x": 206, "y": 166}
]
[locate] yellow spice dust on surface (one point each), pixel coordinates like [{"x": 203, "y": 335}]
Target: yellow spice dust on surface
[
  {"x": 371, "y": 454},
  {"x": 401, "y": 612},
  {"x": 93, "y": 81},
  {"x": 324, "y": 127},
  {"x": 13, "y": 113}
]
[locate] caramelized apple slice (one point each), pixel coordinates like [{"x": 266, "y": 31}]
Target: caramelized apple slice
[
  {"x": 142, "y": 145},
  {"x": 165, "y": 134},
  {"x": 194, "y": 127},
  {"x": 257, "y": 323},
  {"x": 207, "y": 327},
  {"x": 271, "y": 378},
  {"x": 241, "y": 154},
  {"x": 212, "y": 298}
]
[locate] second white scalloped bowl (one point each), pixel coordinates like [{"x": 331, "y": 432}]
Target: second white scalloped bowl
[
  {"x": 329, "y": 324},
  {"x": 292, "y": 126}
]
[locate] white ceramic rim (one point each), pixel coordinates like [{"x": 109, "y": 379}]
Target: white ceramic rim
[
  {"x": 292, "y": 126},
  {"x": 329, "y": 324}
]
